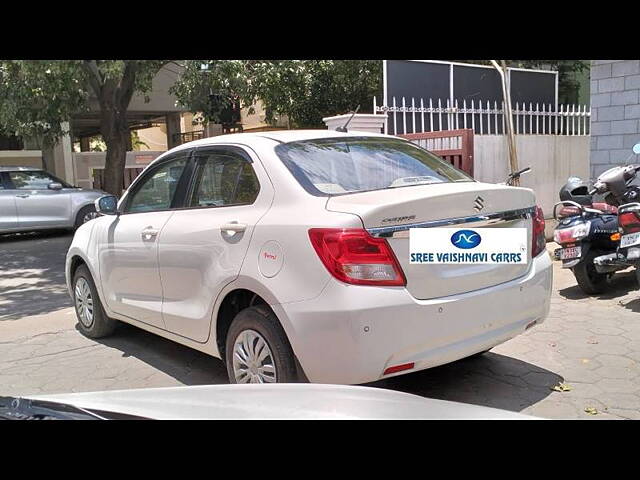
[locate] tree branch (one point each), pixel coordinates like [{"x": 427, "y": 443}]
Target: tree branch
[
  {"x": 95, "y": 79},
  {"x": 127, "y": 84}
]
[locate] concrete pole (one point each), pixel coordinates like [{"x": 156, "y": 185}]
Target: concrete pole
[
  {"x": 511, "y": 139},
  {"x": 63, "y": 157}
]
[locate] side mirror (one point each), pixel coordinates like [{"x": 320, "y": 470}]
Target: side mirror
[
  {"x": 107, "y": 205},
  {"x": 636, "y": 149},
  {"x": 55, "y": 186}
]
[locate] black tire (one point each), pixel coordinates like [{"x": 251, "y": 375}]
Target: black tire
[
  {"x": 590, "y": 281},
  {"x": 101, "y": 325},
  {"x": 80, "y": 217},
  {"x": 262, "y": 320},
  {"x": 637, "y": 272}
]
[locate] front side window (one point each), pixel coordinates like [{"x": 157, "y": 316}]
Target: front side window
[
  {"x": 224, "y": 179},
  {"x": 34, "y": 180},
  {"x": 157, "y": 190},
  {"x": 335, "y": 166}
]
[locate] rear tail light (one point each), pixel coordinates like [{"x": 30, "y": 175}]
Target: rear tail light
[
  {"x": 572, "y": 234},
  {"x": 353, "y": 256},
  {"x": 629, "y": 222},
  {"x": 538, "y": 242}
]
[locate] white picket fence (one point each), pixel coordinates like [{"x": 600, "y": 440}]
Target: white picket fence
[{"x": 484, "y": 118}]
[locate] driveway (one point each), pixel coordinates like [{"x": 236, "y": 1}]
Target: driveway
[
  {"x": 589, "y": 348},
  {"x": 32, "y": 274}
]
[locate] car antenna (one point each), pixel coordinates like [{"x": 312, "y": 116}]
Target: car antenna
[{"x": 343, "y": 128}]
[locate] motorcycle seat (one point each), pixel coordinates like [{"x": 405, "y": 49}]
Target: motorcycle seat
[
  {"x": 605, "y": 207},
  {"x": 572, "y": 211}
]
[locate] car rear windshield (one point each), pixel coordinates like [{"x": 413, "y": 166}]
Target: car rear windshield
[{"x": 335, "y": 166}]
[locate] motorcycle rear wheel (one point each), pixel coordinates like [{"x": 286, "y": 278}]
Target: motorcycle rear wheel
[{"x": 589, "y": 280}]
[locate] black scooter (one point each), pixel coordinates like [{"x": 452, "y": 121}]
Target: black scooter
[
  {"x": 588, "y": 232},
  {"x": 628, "y": 252},
  {"x": 584, "y": 234}
]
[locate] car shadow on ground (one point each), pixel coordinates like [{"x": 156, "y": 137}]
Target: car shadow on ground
[
  {"x": 32, "y": 273},
  {"x": 491, "y": 380},
  {"x": 186, "y": 365},
  {"x": 622, "y": 283}
]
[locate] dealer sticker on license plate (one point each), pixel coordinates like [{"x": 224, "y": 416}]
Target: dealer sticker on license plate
[
  {"x": 570, "y": 252},
  {"x": 464, "y": 246},
  {"x": 630, "y": 239}
]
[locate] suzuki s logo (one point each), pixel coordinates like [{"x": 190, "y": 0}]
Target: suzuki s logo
[
  {"x": 466, "y": 239},
  {"x": 478, "y": 204}
]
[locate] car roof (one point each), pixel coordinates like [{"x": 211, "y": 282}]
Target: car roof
[
  {"x": 280, "y": 136},
  {"x": 11, "y": 168}
]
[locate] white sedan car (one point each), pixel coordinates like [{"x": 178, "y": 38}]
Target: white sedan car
[{"x": 287, "y": 255}]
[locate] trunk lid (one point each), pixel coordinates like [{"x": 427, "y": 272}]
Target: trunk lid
[{"x": 386, "y": 213}]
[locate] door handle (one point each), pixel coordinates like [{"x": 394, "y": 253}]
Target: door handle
[
  {"x": 232, "y": 228},
  {"x": 23, "y": 195},
  {"x": 149, "y": 234}
]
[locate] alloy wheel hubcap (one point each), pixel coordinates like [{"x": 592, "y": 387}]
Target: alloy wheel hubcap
[
  {"x": 89, "y": 216},
  {"x": 252, "y": 359},
  {"x": 84, "y": 302}
]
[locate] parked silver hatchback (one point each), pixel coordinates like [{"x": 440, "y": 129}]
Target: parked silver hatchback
[{"x": 32, "y": 199}]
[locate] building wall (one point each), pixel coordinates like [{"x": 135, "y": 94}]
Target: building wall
[
  {"x": 84, "y": 163},
  {"x": 21, "y": 158},
  {"x": 615, "y": 112},
  {"x": 552, "y": 158},
  {"x": 154, "y": 137}
]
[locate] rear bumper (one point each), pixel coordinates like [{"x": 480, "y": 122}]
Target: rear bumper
[{"x": 351, "y": 334}]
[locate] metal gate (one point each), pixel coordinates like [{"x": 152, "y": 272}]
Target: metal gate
[{"x": 454, "y": 146}]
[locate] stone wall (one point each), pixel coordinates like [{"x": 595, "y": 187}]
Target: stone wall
[{"x": 615, "y": 112}]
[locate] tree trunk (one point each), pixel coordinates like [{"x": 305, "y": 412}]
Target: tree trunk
[
  {"x": 48, "y": 161},
  {"x": 114, "y": 165},
  {"x": 114, "y": 98},
  {"x": 114, "y": 132}
]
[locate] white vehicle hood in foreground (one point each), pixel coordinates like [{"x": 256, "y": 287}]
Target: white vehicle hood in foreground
[{"x": 278, "y": 401}]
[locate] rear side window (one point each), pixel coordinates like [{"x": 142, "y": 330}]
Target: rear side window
[
  {"x": 34, "y": 180},
  {"x": 335, "y": 166},
  {"x": 157, "y": 189},
  {"x": 223, "y": 179}
]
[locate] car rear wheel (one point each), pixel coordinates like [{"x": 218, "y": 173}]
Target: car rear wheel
[
  {"x": 257, "y": 349},
  {"x": 92, "y": 319},
  {"x": 84, "y": 215}
]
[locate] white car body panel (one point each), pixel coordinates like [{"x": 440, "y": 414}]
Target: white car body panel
[
  {"x": 324, "y": 319},
  {"x": 129, "y": 265},
  {"x": 351, "y": 334},
  {"x": 283, "y": 402},
  {"x": 197, "y": 259}
]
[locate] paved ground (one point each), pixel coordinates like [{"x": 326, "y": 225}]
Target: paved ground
[{"x": 589, "y": 344}]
